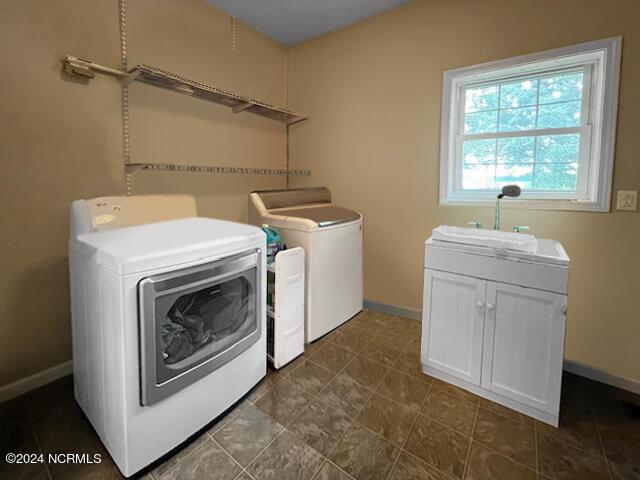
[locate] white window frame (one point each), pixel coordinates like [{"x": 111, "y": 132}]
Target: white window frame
[{"x": 600, "y": 62}]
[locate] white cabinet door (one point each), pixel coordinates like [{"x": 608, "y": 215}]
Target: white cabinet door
[
  {"x": 453, "y": 318},
  {"x": 524, "y": 344}
]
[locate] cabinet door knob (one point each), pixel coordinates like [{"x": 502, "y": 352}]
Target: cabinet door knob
[
  {"x": 489, "y": 306},
  {"x": 479, "y": 304}
]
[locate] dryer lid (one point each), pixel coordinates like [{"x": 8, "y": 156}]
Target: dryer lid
[{"x": 156, "y": 245}]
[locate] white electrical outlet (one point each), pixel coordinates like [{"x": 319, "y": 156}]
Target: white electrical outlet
[{"x": 627, "y": 200}]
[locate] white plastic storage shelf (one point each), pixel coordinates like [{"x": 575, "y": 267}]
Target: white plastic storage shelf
[{"x": 285, "y": 313}]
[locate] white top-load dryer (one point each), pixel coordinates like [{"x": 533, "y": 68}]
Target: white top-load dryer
[
  {"x": 332, "y": 239},
  {"x": 168, "y": 317}
]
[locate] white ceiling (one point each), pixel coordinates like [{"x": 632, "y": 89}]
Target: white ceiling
[{"x": 294, "y": 21}]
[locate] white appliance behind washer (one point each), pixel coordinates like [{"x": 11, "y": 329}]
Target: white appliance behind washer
[
  {"x": 331, "y": 237},
  {"x": 143, "y": 389}
]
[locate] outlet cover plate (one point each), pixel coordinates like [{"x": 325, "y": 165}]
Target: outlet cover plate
[{"x": 627, "y": 200}]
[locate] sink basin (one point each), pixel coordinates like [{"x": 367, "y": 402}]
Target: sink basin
[{"x": 519, "y": 242}]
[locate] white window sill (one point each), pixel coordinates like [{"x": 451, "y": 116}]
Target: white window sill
[{"x": 529, "y": 204}]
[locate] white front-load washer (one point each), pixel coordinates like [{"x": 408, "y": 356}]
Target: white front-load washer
[{"x": 169, "y": 321}]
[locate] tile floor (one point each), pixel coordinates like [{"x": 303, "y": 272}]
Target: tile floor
[{"x": 356, "y": 406}]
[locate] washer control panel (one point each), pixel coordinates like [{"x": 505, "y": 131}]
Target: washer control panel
[{"x": 116, "y": 212}]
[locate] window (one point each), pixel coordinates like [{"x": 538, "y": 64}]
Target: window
[{"x": 544, "y": 121}]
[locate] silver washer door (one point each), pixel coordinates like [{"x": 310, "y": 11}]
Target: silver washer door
[{"x": 195, "y": 320}]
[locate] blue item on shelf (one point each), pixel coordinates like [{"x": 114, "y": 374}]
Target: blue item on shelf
[{"x": 274, "y": 242}]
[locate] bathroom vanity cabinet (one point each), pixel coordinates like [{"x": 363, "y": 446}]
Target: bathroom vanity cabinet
[{"x": 494, "y": 323}]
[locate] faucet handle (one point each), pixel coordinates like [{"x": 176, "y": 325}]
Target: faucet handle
[
  {"x": 519, "y": 228},
  {"x": 475, "y": 224}
]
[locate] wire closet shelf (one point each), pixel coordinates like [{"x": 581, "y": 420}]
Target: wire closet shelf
[{"x": 170, "y": 81}]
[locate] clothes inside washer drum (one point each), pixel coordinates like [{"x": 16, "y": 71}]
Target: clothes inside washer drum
[
  {"x": 176, "y": 342},
  {"x": 205, "y": 316},
  {"x": 324, "y": 216}
]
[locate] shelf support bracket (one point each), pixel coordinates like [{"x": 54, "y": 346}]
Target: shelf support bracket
[
  {"x": 86, "y": 68},
  {"x": 297, "y": 120},
  {"x": 132, "y": 168},
  {"x": 131, "y": 77},
  {"x": 241, "y": 107}
]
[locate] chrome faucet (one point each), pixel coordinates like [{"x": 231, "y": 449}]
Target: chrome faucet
[{"x": 507, "y": 191}]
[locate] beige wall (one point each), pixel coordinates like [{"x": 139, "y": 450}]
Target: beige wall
[
  {"x": 194, "y": 40},
  {"x": 59, "y": 140},
  {"x": 374, "y": 93},
  {"x": 62, "y": 139}
]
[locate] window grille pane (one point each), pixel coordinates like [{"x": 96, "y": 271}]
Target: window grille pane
[
  {"x": 481, "y": 122},
  {"x": 561, "y": 88},
  {"x": 516, "y": 119},
  {"x": 545, "y": 162},
  {"x": 478, "y": 177},
  {"x": 518, "y": 94},
  {"x": 558, "y": 148},
  {"x": 520, "y": 174},
  {"x": 559, "y": 115},
  {"x": 479, "y": 99},
  {"x": 479, "y": 151},
  {"x": 516, "y": 150},
  {"x": 555, "y": 176}
]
